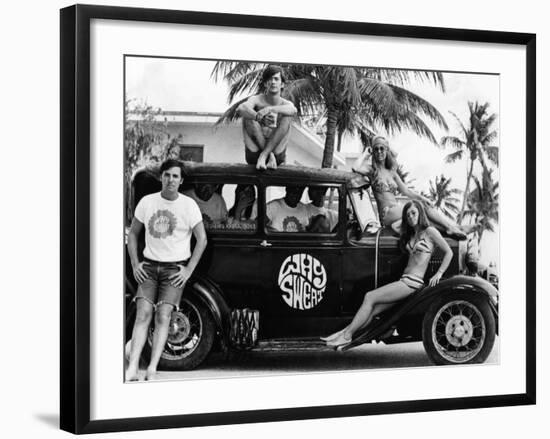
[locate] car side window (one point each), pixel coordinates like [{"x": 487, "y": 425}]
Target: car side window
[
  {"x": 306, "y": 209},
  {"x": 227, "y": 207}
]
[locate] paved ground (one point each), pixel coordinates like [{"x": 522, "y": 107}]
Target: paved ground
[{"x": 371, "y": 356}]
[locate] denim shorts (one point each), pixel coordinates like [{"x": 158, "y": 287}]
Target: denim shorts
[{"x": 157, "y": 289}]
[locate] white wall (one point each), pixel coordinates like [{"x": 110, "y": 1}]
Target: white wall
[
  {"x": 30, "y": 221},
  {"x": 224, "y": 143}
]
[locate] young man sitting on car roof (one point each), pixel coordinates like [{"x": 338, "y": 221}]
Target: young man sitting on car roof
[{"x": 266, "y": 121}]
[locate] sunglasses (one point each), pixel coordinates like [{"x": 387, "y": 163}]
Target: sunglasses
[{"x": 380, "y": 148}]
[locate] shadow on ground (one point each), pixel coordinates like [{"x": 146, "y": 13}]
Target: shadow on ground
[{"x": 50, "y": 419}]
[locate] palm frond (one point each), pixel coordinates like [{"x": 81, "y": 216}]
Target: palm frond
[
  {"x": 453, "y": 157},
  {"x": 231, "y": 113},
  {"x": 462, "y": 127},
  {"x": 452, "y": 141}
]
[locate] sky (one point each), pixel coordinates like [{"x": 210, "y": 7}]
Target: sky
[{"x": 187, "y": 85}]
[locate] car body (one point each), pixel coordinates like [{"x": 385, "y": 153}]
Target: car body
[{"x": 260, "y": 288}]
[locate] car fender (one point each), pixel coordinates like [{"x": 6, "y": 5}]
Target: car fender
[
  {"x": 212, "y": 297},
  {"x": 418, "y": 303},
  {"x": 457, "y": 284}
]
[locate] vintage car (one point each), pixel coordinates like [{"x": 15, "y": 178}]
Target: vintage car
[{"x": 259, "y": 287}]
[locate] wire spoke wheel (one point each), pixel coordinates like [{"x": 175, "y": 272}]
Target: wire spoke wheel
[
  {"x": 459, "y": 330},
  {"x": 190, "y": 336}
]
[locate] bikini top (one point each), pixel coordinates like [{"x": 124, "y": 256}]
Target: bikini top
[
  {"x": 421, "y": 245},
  {"x": 379, "y": 185}
]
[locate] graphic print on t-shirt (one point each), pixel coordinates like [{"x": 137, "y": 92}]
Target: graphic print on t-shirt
[
  {"x": 292, "y": 224},
  {"x": 162, "y": 224}
]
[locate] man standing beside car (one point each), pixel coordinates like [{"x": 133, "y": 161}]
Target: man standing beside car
[
  {"x": 266, "y": 121},
  {"x": 169, "y": 218}
]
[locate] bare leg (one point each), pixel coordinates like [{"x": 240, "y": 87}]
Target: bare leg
[
  {"x": 255, "y": 141},
  {"x": 144, "y": 313},
  {"x": 253, "y": 135},
  {"x": 162, "y": 321},
  {"x": 388, "y": 294},
  {"x": 278, "y": 141},
  {"x": 444, "y": 223},
  {"x": 378, "y": 308}
]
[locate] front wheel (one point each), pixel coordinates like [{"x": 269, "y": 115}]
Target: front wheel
[
  {"x": 190, "y": 336},
  {"x": 459, "y": 329}
]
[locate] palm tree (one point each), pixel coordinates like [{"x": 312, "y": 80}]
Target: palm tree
[
  {"x": 475, "y": 140},
  {"x": 353, "y": 100},
  {"x": 483, "y": 203},
  {"x": 405, "y": 176},
  {"x": 444, "y": 197}
]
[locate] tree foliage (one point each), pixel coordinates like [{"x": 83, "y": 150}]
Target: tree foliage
[
  {"x": 348, "y": 99},
  {"x": 483, "y": 203},
  {"x": 444, "y": 196},
  {"x": 475, "y": 140}
]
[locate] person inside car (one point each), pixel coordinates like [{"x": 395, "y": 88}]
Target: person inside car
[
  {"x": 419, "y": 240},
  {"x": 266, "y": 121},
  {"x": 210, "y": 202},
  {"x": 169, "y": 219},
  {"x": 317, "y": 207},
  {"x": 241, "y": 215},
  {"x": 288, "y": 214},
  {"x": 245, "y": 196},
  {"x": 386, "y": 183}
]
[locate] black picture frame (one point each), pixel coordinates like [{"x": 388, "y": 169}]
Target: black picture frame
[{"x": 75, "y": 217}]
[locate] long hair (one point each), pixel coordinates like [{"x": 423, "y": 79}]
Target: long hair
[
  {"x": 391, "y": 162},
  {"x": 239, "y": 191},
  {"x": 406, "y": 230}
]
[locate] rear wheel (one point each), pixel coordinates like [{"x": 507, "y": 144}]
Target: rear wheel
[
  {"x": 190, "y": 336},
  {"x": 459, "y": 328}
]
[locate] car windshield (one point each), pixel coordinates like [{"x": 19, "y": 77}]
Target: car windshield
[{"x": 363, "y": 207}]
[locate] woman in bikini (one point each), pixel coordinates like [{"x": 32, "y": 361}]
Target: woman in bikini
[
  {"x": 419, "y": 239},
  {"x": 385, "y": 183}
]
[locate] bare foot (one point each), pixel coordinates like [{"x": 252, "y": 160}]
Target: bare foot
[
  {"x": 131, "y": 374},
  {"x": 456, "y": 233},
  {"x": 332, "y": 336},
  {"x": 339, "y": 341},
  {"x": 272, "y": 163},
  {"x": 260, "y": 164},
  {"x": 468, "y": 228},
  {"x": 150, "y": 375}
]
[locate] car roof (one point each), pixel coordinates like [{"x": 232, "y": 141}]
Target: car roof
[{"x": 283, "y": 174}]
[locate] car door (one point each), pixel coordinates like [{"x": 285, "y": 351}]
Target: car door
[
  {"x": 301, "y": 276},
  {"x": 232, "y": 258}
]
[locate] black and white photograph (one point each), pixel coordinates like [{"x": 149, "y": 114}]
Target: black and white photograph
[
  {"x": 269, "y": 219},
  {"x": 285, "y": 218}
]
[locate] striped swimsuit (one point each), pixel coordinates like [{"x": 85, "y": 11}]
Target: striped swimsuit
[{"x": 421, "y": 245}]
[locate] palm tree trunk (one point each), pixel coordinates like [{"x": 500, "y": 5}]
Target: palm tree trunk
[
  {"x": 466, "y": 192},
  {"x": 328, "y": 154},
  {"x": 482, "y": 160},
  {"x": 339, "y": 144},
  {"x": 480, "y": 234}
]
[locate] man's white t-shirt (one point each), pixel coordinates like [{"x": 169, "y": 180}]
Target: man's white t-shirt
[
  {"x": 284, "y": 218},
  {"x": 168, "y": 226},
  {"x": 214, "y": 210}
]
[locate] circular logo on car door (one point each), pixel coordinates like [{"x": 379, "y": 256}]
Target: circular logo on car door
[{"x": 303, "y": 280}]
